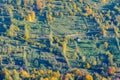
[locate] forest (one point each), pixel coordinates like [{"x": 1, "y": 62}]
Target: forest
[{"x": 59, "y": 40}]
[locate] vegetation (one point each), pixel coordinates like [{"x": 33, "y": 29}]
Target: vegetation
[{"x": 59, "y": 40}]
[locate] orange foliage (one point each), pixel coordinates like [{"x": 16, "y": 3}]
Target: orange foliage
[
  {"x": 104, "y": 1},
  {"x": 88, "y": 77},
  {"x": 78, "y": 72},
  {"x": 53, "y": 78},
  {"x": 111, "y": 70},
  {"x": 39, "y": 4},
  {"x": 88, "y": 10},
  {"x": 25, "y": 74},
  {"x": 29, "y": 18},
  {"x": 56, "y": 74},
  {"x": 68, "y": 76}
]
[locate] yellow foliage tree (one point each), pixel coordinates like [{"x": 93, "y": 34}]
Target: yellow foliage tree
[
  {"x": 74, "y": 6},
  {"x": 12, "y": 30},
  {"x": 106, "y": 44},
  {"x": 50, "y": 18},
  {"x": 15, "y": 75},
  {"x": 87, "y": 65},
  {"x": 83, "y": 58},
  {"x": 88, "y": 10},
  {"x": 7, "y": 75},
  {"x": 29, "y": 18},
  {"x": 111, "y": 70},
  {"x": 49, "y": 72},
  {"x": 33, "y": 16},
  {"x": 39, "y": 4},
  {"x": 26, "y": 32},
  {"x": 104, "y": 32},
  {"x": 64, "y": 46},
  {"x": 116, "y": 30},
  {"x": 25, "y": 74},
  {"x": 104, "y": 1},
  {"x": 68, "y": 76},
  {"x": 56, "y": 74},
  {"x": 88, "y": 77},
  {"x": 53, "y": 78}
]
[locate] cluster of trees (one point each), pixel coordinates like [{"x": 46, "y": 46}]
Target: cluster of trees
[
  {"x": 54, "y": 44},
  {"x": 31, "y": 17},
  {"x": 74, "y": 74}
]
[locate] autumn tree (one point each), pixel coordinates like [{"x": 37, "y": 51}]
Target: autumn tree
[
  {"x": 111, "y": 70},
  {"x": 64, "y": 47},
  {"x": 116, "y": 30},
  {"x": 64, "y": 51},
  {"x": 10, "y": 11},
  {"x": 40, "y": 4},
  {"x": 26, "y": 32},
  {"x": 7, "y": 75},
  {"x": 25, "y": 74},
  {"x": 103, "y": 1},
  {"x": 106, "y": 44},
  {"x": 104, "y": 32},
  {"x": 88, "y": 77},
  {"x": 74, "y": 6},
  {"x": 110, "y": 57},
  {"x": 49, "y": 16},
  {"x": 31, "y": 17},
  {"x": 11, "y": 31},
  {"x": 56, "y": 74},
  {"x": 15, "y": 75},
  {"x": 87, "y": 65}
]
